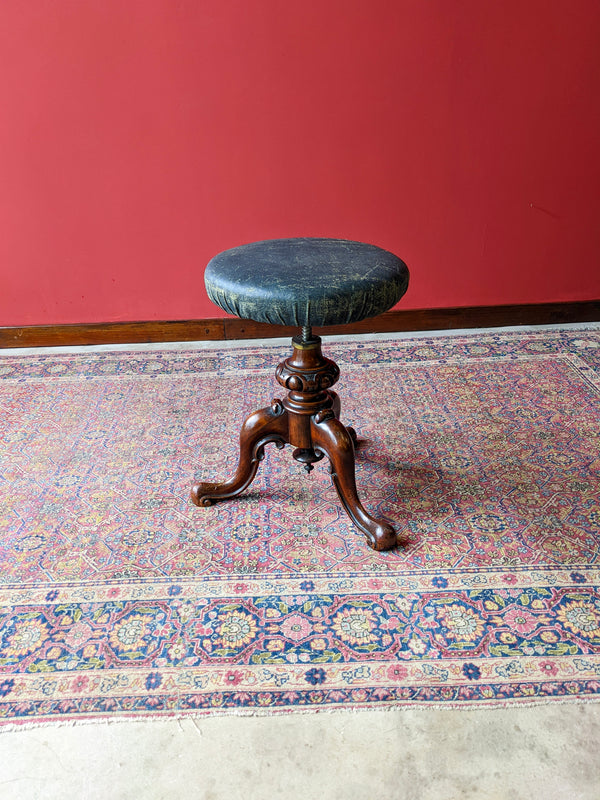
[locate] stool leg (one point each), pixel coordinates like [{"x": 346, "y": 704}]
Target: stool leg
[
  {"x": 264, "y": 426},
  {"x": 337, "y": 413},
  {"x": 331, "y": 437},
  {"x": 337, "y": 405}
]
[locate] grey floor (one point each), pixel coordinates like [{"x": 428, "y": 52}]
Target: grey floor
[{"x": 549, "y": 751}]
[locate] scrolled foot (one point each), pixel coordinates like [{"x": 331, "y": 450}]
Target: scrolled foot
[
  {"x": 201, "y": 493},
  {"x": 380, "y": 535},
  {"x": 259, "y": 429}
]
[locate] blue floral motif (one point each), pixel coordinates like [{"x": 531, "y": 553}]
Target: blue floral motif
[
  {"x": 315, "y": 676},
  {"x": 52, "y": 595},
  {"x": 471, "y": 671},
  {"x": 153, "y": 681},
  {"x": 6, "y": 687},
  {"x": 577, "y": 577},
  {"x": 174, "y": 590},
  {"x": 439, "y": 582},
  {"x": 307, "y": 586}
]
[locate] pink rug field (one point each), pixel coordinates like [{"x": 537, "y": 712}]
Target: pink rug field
[{"x": 119, "y": 598}]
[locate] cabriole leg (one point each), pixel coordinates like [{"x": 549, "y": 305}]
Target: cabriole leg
[
  {"x": 267, "y": 425},
  {"x": 335, "y": 440}
]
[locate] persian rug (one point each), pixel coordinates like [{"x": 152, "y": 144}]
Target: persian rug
[{"x": 119, "y": 598}]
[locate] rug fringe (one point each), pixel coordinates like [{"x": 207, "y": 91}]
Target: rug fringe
[{"x": 196, "y": 716}]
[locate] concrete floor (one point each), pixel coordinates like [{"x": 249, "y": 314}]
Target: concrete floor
[{"x": 550, "y": 752}]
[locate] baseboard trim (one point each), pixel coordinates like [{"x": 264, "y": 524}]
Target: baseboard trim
[{"x": 233, "y": 328}]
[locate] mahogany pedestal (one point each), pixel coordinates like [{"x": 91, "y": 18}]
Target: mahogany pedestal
[{"x": 307, "y": 419}]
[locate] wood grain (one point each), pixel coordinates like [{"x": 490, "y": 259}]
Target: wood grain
[{"x": 233, "y": 328}]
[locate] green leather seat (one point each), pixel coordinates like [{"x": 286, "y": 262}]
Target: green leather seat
[{"x": 306, "y": 282}]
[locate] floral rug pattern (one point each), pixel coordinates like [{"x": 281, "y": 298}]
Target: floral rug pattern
[{"x": 118, "y": 597}]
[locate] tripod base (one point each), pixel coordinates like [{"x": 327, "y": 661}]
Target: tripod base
[{"x": 307, "y": 419}]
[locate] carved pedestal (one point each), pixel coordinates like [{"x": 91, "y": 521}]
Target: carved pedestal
[{"x": 308, "y": 419}]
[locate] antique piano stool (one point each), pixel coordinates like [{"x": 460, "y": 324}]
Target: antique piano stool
[{"x": 305, "y": 282}]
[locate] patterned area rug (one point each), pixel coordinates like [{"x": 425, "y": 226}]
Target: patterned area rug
[{"x": 119, "y": 598}]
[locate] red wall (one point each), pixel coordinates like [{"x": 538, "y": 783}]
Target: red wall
[{"x": 139, "y": 137}]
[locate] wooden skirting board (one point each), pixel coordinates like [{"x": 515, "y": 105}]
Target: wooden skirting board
[{"x": 233, "y": 328}]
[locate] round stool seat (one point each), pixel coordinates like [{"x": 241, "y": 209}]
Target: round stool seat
[{"x": 306, "y": 282}]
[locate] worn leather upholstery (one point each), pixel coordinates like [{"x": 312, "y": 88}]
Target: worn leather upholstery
[{"x": 306, "y": 281}]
